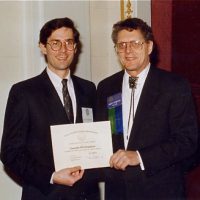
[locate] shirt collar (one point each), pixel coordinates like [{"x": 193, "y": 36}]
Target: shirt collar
[
  {"x": 141, "y": 76},
  {"x": 56, "y": 80}
]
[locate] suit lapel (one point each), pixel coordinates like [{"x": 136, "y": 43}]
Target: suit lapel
[
  {"x": 57, "y": 114},
  {"x": 117, "y": 87},
  {"x": 79, "y": 97},
  {"x": 148, "y": 96},
  {"x": 117, "y": 139}
]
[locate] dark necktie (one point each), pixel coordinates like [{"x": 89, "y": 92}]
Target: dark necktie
[
  {"x": 67, "y": 101},
  {"x": 132, "y": 85}
]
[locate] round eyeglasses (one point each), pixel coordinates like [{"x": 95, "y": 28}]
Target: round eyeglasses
[
  {"x": 56, "y": 45},
  {"x": 134, "y": 45}
]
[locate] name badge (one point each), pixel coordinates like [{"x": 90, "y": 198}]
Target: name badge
[
  {"x": 114, "y": 105},
  {"x": 87, "y": 115}
]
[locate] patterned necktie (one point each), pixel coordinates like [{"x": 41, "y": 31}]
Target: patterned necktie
[
  {"x": 67, "y": 101},
  {"x": 132, "y": 85}
]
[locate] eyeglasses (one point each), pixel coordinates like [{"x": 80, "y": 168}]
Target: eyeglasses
[
  {"x": 56, "y": 45},
  {"x": 134, "y": 45}
]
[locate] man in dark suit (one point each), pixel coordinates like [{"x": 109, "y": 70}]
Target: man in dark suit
[
  {"x": 36, "y": 104},
  {"x": 152, "y": 117}
]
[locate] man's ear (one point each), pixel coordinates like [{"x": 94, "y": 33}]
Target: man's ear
[
  {"x": 75, "y": 48},
  {"x": 150, "y": 47},
  {"x": 43, "y": 48}
]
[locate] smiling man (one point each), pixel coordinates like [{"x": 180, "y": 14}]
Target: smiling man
[
  {"x": 51, "y": 98},
  {"x": 153, "y": 121}
]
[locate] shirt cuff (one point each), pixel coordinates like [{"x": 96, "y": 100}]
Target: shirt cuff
[
  {"x": 51, "y": 180},
  {"x": 141, "y": 162}
]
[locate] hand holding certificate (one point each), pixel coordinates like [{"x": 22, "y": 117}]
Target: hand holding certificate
[{"x": 88, "y": 145}]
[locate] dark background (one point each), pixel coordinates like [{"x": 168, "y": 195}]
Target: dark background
[{"x": 176, "y": 27}]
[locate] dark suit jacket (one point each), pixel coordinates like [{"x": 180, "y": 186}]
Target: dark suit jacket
[
  {"x": 164, "y": 132},
  {"x": 33, "y": 105}
]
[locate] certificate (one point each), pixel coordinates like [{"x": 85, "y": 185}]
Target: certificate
[{"x": 88, "y": 145}]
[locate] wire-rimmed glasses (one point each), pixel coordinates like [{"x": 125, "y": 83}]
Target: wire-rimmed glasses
[
  {"x": 134, "y": 45},
  {"x": 56, "y": 45}
]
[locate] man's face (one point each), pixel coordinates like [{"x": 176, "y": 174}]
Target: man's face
[
  {"x": 133, "y": 56},
  {"x": 59, "y": 60}
]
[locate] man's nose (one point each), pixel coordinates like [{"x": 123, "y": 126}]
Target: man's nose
[
  {"x": 64, "y": 47},
  {"x": 128, "y": 48}
]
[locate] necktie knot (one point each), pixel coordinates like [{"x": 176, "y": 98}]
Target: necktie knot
[
  {"x": 133, "y": 82},
  {"x": 64, "y": 82}
]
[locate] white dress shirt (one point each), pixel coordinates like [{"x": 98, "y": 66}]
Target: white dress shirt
[
  {"x": 126, "y": 100},
  {"x": 57, "y": 83}
]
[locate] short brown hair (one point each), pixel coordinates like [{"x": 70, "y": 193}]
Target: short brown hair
[
  {"x": 55, "y": 24},
  {"x": 131, "y": 24}
]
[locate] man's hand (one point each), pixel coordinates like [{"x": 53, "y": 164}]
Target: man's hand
[
  {"x": 68, "y": 176},
  {"x": 121, "y": 159}
]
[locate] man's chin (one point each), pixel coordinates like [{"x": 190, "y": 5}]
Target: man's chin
[{"x": 130, "y": 68}]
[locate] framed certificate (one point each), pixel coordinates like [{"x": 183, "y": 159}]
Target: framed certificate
[{"x": 88, "y": 145}]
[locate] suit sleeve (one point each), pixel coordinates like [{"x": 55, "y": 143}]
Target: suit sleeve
[
  {"x": 14, "y": 152},
  {"x": 182, "y": 133}
]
